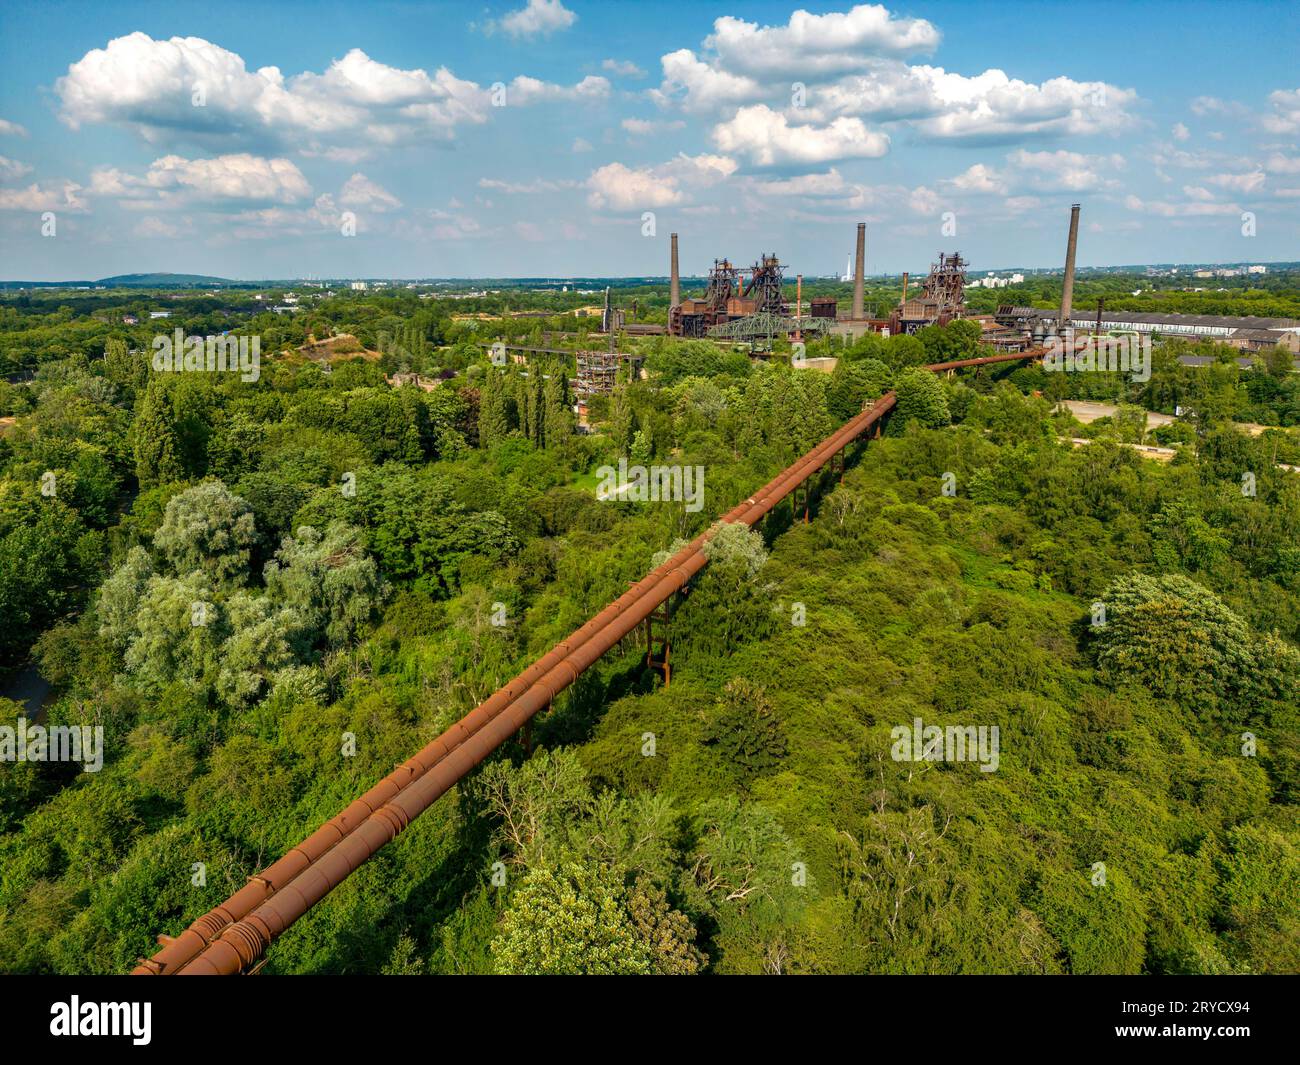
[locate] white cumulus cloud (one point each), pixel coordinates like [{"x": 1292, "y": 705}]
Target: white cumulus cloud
[
  {"x": 61, "y": 196},
  {"x": 769, "y": 139},
  {"x": 809, "y": 44},
  {"x": 617, "y": 187},
  {"x": 1286, "y": 112},
  {"x": 188, "y": 88},
  {"x": 360, "y": 191},
  {"x": 174, "y": 180},
  {"x": 538, "y": 19}
]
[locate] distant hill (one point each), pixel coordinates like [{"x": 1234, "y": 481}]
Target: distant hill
[{"x": 160, "y": 280}]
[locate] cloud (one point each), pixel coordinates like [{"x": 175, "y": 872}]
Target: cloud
[
  {"x": 1277, "y": 163},
  {"x": 1066, "y": 171},
  {"x": 990, "y": 106},
  {"x": 621, "y": 188},
  {"x": 1286, "y": 112},
  {"x": 923, "y": 200},
  {"x": 513, "y": 188},
  {"x": 63, "y": 196},
  {"x": 828, "y": 190},
  {"x": 338, "y": 153},
  {"x": 1021, "y": 204},
  {"x": 1168, "y": 155},
  {"x": 151, "y": 226},
  {"x": 623, "y": 68},
  {"x": 1164, "y": 209},
  {"x": 360, "y": 191},
  {"x": 697, "y": 86},
  {"x": 580, "y": 145},
  {"x": 539, "y": 18},
  {"x": 831, "y": 183},
  {"x": 642, "y": 127},
  {"x": 187, "y": 88},
  {"x": 525, "y": 90},
  {"x": 231, "y": 177},
  {"x": 978, "y": 178},
  {"x": 1180, "y": 132},
  {"x": 1212, "y": 105},
  {"x": 153, "y": 86},
  {"x": 449, "y": 225},
  {"x": 12, "y": 169},
  {"x": 767, "y": 137},
  {"x": 818, "y": 45},
  {"x": 267, "y": 223},
  {"x": 11, "y": 129},
  {"x": 175, "y": 181},
  {"x": 851, "y": 64},
  {"x": 1245, "y": 183}
]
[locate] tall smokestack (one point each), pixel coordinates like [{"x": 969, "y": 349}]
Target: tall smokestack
[
  {"x": 904, "y": 286},
  {"x": 859, "y": 273},
  {"x": 798, "y": 306},
  {"x": 1067, "y": 290},
  {"x": 675, "y": 285}
]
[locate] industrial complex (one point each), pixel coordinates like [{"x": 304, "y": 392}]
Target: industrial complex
[{"x": 753, "y": 305}]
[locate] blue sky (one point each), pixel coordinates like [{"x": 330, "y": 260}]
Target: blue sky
[{"x": 367, "y": 139}]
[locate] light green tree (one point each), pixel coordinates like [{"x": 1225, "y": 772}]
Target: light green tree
[
  {"x": 208, "y": 528},
  {"x": 571, "y": 922}
]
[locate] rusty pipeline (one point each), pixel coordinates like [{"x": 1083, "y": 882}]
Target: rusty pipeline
[{"x": 230, "y": 937}]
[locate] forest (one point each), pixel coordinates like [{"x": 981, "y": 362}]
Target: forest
[{"x": 268, "y": 593}]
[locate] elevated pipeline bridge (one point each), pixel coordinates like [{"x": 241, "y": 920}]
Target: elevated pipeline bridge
[{"x": 233, "y": 937}]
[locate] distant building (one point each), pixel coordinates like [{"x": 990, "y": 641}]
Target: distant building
[
  {"x": 1259, "y": 339},
  {"x": 130, "y": 319},
  {"x": 992, "y": 281},
  {"x": 160, "y": 314},
  {"x": 1245, "y": 332},
  {"x": 359, "y": 286}
]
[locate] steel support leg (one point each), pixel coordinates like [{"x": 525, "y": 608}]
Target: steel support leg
[
  {"x": 800, "y": 498},
  {"x": 658, "y": 645}
]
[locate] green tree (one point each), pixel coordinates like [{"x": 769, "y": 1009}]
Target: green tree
[
  {"x": 745, "y": 730},
  {"x": 208, "y": 528},
  {"x": 493, "y": 421},
  {"x": 157, "y": 449},
  {"x": 327, "y": 580},
  {"x": 921, "y": 399},
  {"x": 572, "y": 921},
  {"x": 1178, "y": 639},
  {"x": 669, "y": 934}
]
